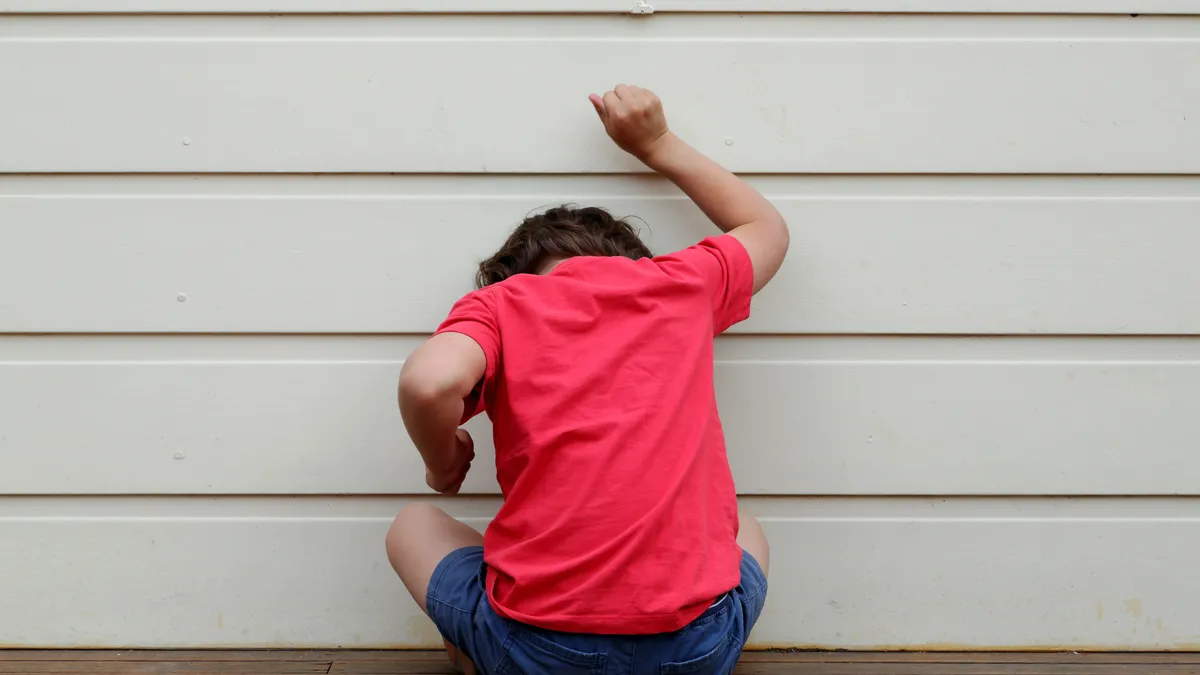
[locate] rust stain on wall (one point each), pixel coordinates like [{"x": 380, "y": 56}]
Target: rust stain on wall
[{"x": 1134, "y": 607}]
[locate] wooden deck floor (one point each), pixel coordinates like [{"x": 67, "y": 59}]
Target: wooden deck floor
[{"x": 274, "y": 662}]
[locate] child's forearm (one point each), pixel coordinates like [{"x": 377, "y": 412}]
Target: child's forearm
[
  {"x": 431, "y": 421},
  {"x": 634, "y": 119},
  {"x": 433, "y": 383},
  {"x": 728, "y": 201}
]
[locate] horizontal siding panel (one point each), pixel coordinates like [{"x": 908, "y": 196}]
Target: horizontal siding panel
[
  {"x": 187, "y": 318},
  {"x": 1103, "y": 257},
  {"x": 603, "y": 6},
  {"x": 853, "y": 574},
  {"x": 799, "y": 425},
  {"x": 761, "y": 94}
]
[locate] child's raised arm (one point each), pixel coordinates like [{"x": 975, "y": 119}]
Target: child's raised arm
[{"x": 634, "y": 119}]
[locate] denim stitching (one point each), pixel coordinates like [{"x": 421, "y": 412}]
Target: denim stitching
[
  {"x": 547, "y": 644},
  {"x": 762, "y": 588},
  {"x": 439, "y": 575},
  {"x": 724, "y": 609},
  {"x": 758, "y": 566},
  {"x": 443, "y": 603},
  {"x": 729, "y": 641}
]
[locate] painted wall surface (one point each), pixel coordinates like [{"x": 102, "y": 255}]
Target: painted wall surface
[{"x": 967, "y": 411}]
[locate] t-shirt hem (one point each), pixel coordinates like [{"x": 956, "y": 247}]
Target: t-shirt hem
[
  {"x": 615, "y": 624},
  {"x": 474, "y": 331}
]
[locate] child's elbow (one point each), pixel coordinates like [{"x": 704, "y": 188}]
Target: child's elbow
[
  {"x": 447, "y": 367},
  {"x": 784, "y": 236},
  {"x": 421, "y": 387}
]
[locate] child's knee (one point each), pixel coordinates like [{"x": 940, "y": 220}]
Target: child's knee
[
  {"x": 409, "y": 522},
  {"x": 753, "y": 539}
]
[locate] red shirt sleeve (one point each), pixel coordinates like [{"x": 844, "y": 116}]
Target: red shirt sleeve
[
  {"x": 474, "y": 317},
  {"x": 723, "y": 266}
]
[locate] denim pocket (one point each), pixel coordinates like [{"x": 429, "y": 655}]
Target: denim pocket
[
  {"x": 531, "y": 651},
  {"x": 704, "y": 645},
  {"x": 714, "y": 660}
]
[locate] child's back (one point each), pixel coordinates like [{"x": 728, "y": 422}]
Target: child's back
[
  {"x": 619, "y": 513},
  {"x": 619, "y": 546}
]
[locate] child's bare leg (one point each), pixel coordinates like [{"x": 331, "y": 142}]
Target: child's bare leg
[
  {"x": 752, "y": 538},
  {"x": 419, "y": 538}
]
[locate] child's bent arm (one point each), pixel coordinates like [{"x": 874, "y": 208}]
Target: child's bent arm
[
  {"x": 433, "y": 383},
  {"x": 634, "y": 119},
  {"x": 728, "y": 201}
]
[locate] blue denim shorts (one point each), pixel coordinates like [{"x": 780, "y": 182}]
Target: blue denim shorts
[{"x": 712, "y": 643}]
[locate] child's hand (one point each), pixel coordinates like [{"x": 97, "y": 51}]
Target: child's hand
[
  {"x": 633, "y": 118},
  {"x": 450, "y": 481}
]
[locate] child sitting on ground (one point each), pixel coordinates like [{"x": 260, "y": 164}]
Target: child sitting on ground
[{"x": 619, "y": 547}]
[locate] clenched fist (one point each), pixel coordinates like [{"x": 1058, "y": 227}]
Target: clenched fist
[
  {"x": 450, "y": 481},
  {"x": 633, "y": 118}
]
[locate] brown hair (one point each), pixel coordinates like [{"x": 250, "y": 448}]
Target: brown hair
[{"x": 561, "y": 232}]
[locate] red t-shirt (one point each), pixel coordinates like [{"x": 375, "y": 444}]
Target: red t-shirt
[{"x": 619, "y": 514}]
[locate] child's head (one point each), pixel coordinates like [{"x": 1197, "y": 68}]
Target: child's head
[{"x": 560, "y": 233}]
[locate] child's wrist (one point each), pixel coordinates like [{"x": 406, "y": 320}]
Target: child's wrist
[{"x": 654, "y": 154}]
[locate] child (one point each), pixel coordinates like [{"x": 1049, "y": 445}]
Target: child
[{"x": 619, "y": 547}]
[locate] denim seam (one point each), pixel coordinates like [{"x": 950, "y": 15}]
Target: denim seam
[
  {"x": 725, "y": 608},
  {"x": 728, "y": 641},
  {"x": 758, "y": 591},
  {"x": 439, "y": 574},
  {"x": 443, "y": 603},
  {"x": 550, "y": 646}
]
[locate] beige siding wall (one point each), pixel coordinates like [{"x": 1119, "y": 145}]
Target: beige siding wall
[{"x": 965, "y": 410}]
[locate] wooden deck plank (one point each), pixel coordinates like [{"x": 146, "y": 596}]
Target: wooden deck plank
[
  {"x": 967, "y": 664},
  {"x": 163, "y": 668},
  {"x": 969, "y": 657},
  {"x": 964, "y": 669},
  {"x": 125, "y": 655},
  {"x": 392, "y": 662},
  {"x": 777, "y": 656},
  {"x": 442, "y": 667},
  {"x": 847, "y": 668}
]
